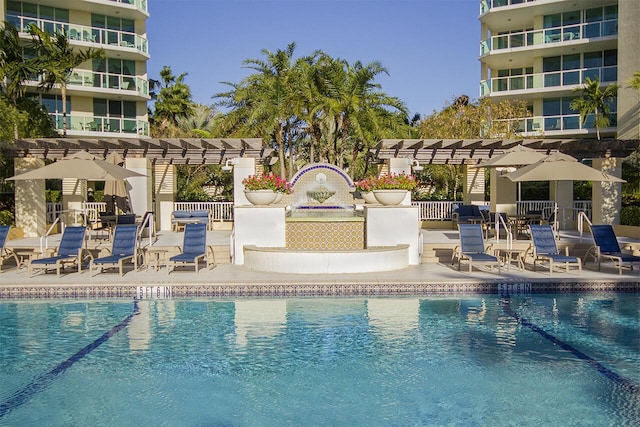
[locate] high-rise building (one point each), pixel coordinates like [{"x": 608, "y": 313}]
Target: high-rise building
[
  {"x": 540, "y": 51},
  {"x": 106, "y": 97}
]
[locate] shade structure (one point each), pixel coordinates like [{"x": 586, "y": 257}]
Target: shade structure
[
  {"x": 115, "y": 192},
  {"x": 516, "y": 156},
  {"x": 81, "y": 165},
  {"x": 559, "y": 167}
]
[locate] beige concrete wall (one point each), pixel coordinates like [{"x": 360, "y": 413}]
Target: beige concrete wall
[
  {"x": 165, "y": 190},
  {"x": 628, "y": 63},
  {"x": 473, "y": 185}
]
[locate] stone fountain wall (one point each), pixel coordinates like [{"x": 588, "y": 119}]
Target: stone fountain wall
[{"x": 321, "y": 177}]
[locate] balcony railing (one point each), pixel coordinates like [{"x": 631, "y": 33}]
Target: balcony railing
[
  {"x": 86, "y": 78},
  {"x": 139, "y": 4},
  {"x": 526, "y": 39},
  {"x": 486, "y": 5},
  {"x": 559, "y": 123},
  {"x": 102, "y": 36},
  {"x": 569, "y": 78},
  {"x": 101, "y": 124}
]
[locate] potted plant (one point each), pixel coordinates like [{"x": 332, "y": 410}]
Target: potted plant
[
  {"x": 393, "y": 188},
  {"x": 265, "y": 189},
  {"x": 365, "y": 187}
]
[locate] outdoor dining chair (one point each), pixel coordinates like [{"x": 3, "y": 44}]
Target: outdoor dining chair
[
  {"x": 69, "y": 252},
  {"x": 124, "y": 248},
  {"x": 606, "y": 246},
  {"x": 546, "y": 249},
  {"x": 472, "y": 248}
]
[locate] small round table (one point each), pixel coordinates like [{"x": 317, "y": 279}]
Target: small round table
[{"x": 510, "y": 255}]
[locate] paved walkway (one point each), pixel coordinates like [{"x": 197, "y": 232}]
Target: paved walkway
[{"x": 224, "y": 278}]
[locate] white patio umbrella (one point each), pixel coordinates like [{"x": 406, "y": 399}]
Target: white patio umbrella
[
  {"x": 80, "y": 165},
  {"x": 559, "y": 167},
  {"x": 513, "y": 158}
]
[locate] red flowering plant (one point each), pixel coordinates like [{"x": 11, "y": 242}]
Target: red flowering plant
[
  {"x": 267, "y": 182},
  {"x": 387, "y": 182}
]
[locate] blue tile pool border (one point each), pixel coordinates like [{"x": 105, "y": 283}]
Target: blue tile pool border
[{"x": 130, "y": 291}]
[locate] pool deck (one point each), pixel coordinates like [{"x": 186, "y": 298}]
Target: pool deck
[{"x": 227, "y": 280}]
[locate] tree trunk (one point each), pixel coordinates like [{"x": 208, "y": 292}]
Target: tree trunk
[
  {"x": 63, "y": 93},
  {"x": 280, "y": 142}
]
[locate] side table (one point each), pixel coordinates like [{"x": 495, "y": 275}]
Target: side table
[
  {"x": 510, "y": 255},
  {"x": 154, "y": 256}
]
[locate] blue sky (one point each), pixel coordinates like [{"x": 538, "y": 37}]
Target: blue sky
[{"x": 430, "y": 47}]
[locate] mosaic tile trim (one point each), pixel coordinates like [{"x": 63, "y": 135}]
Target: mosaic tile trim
[
  {"x": 325, "y": 236},
  {"x": 310, "y": 290}
]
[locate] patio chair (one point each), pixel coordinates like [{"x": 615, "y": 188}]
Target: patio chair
[
  {"x": 545, "y": 249},
  {"x": 124, "y": 248},
  {"x": 69, "y": 252},
  {"x": 606, "y": 246},
  {"x": 472, "y": 248},
  {"x": 194, "y": 247}
]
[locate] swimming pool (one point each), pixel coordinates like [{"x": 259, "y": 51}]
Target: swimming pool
[{"x": 474, "y": 360}]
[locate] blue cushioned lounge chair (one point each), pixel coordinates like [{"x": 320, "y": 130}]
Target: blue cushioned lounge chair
[
  {"x": 194, "y": 247},
  {"x": 124, "y": 248},
  {"x": 545, "y": 249},
  {"x": 606, "y": 246},
  {"x": 4, "y": 252},
  {"x": 69, "y": 252},
  {"x": 472, "y": 247}
]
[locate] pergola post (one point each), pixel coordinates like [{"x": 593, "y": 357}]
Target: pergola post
[
  {"x": 165, "y": 191},
  {"x": 473, "y": 184},
  {"x": 607, "y": 196}
]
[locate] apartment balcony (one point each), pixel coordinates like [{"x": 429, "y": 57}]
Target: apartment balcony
[
  {"x": 100, "y": 126},
  {"x": 487, "y": 5},
  {"x": 126, "y": 44},
  {"x": 534, "y": 85},
  {"x": 567, "y": 125},
  {"x": 140, "y": 5},
  {"x": 134, "y": 88},
  {"x": 548, "y": 37}
]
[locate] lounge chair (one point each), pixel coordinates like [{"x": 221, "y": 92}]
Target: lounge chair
[
  {"x": 472, "y": 247},
  {"x": 194, "y": 247},
  {"x": 606, "y": 246},
  {"x": 4, "y": 252},
  {"x": 545, "y": 249},
  {"x": 69, "y": 252},
  {"x": 124, "y": 248}
]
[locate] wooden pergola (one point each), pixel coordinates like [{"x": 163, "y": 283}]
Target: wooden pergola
[{"x": 198, "y": 151}]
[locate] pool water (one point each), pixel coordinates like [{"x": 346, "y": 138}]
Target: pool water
[{"x": 472, "y": 360}]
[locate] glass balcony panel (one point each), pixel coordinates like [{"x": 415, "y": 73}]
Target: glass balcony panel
[
  {"x": 592, "y": 30},
  {"x": 517, "y": 40},
  {"x": 552, "y": 36},
  {"x": 588, "y": 124},
  {"x": 501, "y": 42},
  {"x": 571, "y": 33},
  {"x": 609, "y": 28},
  {"x": 517, "y": 83},
  {"x": 129, "y": 126},
  {"x": 609, "y": 74},
  {"x": 552, "y": 79},
  {"x": 551, "y": 123},
  {"x": 570, "y": 122},
  {"x": 501, "y": 85},
  {"x": 571, "y": 78},
  {"x": 592, "y": 73},
  {"x": 114, "y": 125},
  {"x": 530, "y": 82},
  {"x": 114, "y": 81}
]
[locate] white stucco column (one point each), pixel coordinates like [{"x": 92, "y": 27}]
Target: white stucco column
[
  {"x": 242, "y": 168},
  {"x": 473, "y": 185},
  {"x": 502, "y": 193},
  {"x": 562, "y": 193},
  {"x": 165, "y": 190},
  {"x": 140, "y": 192},
  {"x": 30, "y": 201},
  {"x": 607, "y": 196}
]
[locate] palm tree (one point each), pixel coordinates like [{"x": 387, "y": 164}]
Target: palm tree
[
  {"x": 15, "y": 68},
  {"x": 356, "y": 103},
  {"x": 634, "y": 81},
  {"x": 596, "y": 101},
  {"x": 56, "y": 60},
  {"x": 173, "y": 99}
]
